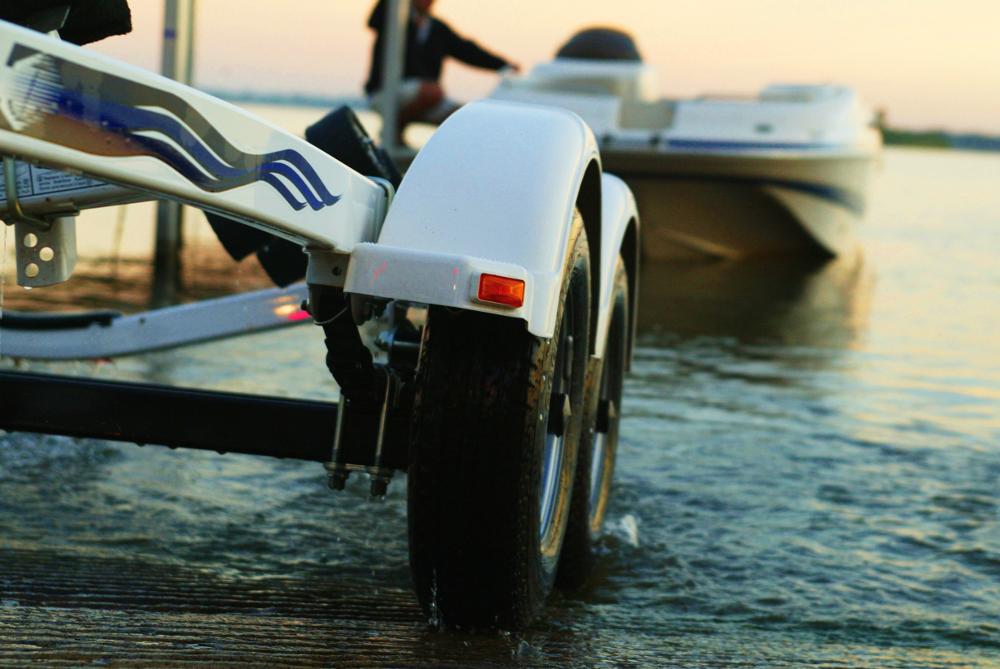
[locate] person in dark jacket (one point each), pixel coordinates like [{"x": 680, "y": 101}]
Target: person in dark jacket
[{"x": 428, "y": 42}]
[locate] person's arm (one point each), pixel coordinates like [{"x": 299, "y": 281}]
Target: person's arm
[
  {"x": 469, "y": 52},
  {"x": 377, "y": 20}
]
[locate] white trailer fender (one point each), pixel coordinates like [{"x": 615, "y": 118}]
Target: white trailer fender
[
  {"x": 494, "y": 192},
  {"x": 620, "y": 228}
]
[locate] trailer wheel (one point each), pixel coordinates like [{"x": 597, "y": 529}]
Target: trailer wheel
[
  {"x": 496, "y": 425},
  {"x": 598, "y": 446}
]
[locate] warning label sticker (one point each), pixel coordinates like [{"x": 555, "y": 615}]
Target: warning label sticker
[{"x": 34, "y": 181}]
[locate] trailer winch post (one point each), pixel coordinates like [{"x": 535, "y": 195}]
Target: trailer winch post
[
  {"x": 394, "y": 51},
  {"x": 177, "y": 63}
]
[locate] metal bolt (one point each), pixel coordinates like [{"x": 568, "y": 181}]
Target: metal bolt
[
  {"x": 338, "y": 480},
  {"x": 606, "y": 412},
  {"x": 379, "y": 487},
  {"x": 560, "y": 412}
]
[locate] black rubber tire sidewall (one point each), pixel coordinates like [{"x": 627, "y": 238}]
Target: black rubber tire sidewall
[{"x": 478, "y": 436}]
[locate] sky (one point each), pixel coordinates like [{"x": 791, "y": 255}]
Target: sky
[{"x": 928, "y": 63}]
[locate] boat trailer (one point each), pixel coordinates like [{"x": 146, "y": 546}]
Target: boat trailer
[{"x": 502, "y": 406}]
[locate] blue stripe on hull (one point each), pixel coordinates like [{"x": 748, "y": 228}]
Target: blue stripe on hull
[
  {"x": 701, "y": 144},
  {"x": 840, "y": 196}
]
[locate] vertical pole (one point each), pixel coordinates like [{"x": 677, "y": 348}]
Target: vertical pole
[
  {"x": 177, "y": 62},
  {"x": 394, "y": 51}
]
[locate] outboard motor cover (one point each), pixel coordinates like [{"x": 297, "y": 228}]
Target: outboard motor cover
[
  {"x": 600, "y": 44},
  {"x": 78, "y": 21}
]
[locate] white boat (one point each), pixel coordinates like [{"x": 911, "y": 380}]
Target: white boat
[{"x": 784, "y": 171}]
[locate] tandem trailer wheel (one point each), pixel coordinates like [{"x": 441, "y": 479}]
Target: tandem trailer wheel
[
  {"x": 598, "y": 445},
  {"x": 495, "y": 432}
]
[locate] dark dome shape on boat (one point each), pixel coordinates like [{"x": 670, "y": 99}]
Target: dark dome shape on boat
[{"x": 600, "y": 44}]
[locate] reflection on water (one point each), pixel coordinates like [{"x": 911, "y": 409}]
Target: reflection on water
[
  {"x": 806, "y": 301},
  {"x": 808, "y": 476}
]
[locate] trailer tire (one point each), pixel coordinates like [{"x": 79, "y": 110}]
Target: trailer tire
[
  {"x": 486, "y": 514},
  {"x": 598, "y": 446}
]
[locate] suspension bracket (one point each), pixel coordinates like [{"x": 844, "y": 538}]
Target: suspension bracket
[
  {"x": 374, "y": 399},
  {"x": 45, "y": 246},
  {"x": 379, "y": 475}
]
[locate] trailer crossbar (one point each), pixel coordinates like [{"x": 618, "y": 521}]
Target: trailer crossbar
[{"x": 187, "y": 418}]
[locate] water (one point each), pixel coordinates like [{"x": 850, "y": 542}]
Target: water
[{"x": 808, "y": 476}]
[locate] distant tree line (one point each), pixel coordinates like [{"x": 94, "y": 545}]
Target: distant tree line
[
  {"x": 940, "y": 139},
  {"x": 935, "y": 139},
  {"x": 290, "y": 99}
]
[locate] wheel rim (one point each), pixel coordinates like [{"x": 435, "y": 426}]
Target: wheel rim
[
  {"x": 610, "y": 381},
  {"x": 552, "y": 461},
  {"x": 596, "y": 471},
  {"x": 601, "y": 438},
  {"x": 550, "y": 481}
]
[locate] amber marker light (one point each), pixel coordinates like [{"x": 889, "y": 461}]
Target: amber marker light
[{"x": 501, "y": 290}]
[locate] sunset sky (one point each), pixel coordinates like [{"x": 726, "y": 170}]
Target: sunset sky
[{"x": 929, "y": 63}]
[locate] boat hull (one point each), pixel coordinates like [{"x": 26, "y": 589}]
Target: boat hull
[{"x": 740, "y": 203}]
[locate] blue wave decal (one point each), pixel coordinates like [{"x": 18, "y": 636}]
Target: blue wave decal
[{"x": 207, "y": 171}]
